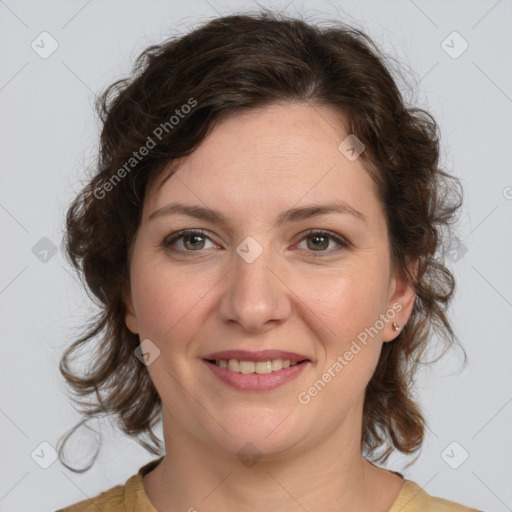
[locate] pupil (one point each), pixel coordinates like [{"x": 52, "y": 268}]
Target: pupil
[
  {"x": 194, "y": 238},
  {"x": 320, "y": 245}
]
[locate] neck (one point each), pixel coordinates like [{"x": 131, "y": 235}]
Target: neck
[{"x": 330, "y": 475}]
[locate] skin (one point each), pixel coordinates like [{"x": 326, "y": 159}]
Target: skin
[{"x": 252, "y": 167}]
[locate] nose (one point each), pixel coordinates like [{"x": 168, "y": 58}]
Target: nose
[{"x": 256, "y": 296}]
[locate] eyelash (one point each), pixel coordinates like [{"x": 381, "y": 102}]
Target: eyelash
[{"x": 170, "y": 240}]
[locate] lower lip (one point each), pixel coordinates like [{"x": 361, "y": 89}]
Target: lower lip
[{"x": 256, "y": 381}]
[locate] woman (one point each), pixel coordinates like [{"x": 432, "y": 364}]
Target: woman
[{"x": 263, "y": 235}]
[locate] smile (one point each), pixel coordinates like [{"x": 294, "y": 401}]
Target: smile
[
  {"x": 259, "y": 367},
  {"x": 255, "y": 375}
]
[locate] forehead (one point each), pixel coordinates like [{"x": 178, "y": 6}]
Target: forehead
[{"x": 278, "y": 155}]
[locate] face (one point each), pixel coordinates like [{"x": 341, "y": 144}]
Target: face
[{"x": 253, "y": 278}]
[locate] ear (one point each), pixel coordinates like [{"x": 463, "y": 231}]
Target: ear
[
  {"x": 400, "y": 304},
  {"x": 130, "y": 317}
]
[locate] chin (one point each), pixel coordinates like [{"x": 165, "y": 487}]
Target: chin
[{"x": 264, "y": 437}]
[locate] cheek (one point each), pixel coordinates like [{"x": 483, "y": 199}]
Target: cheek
[
  {"x": 347, "y": 302},
  {"x": 349, "y": 306},
  {"x": 167, "y": 299}
]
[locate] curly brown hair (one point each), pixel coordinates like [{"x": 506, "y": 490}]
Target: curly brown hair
[{"x": 178, "y": 92}]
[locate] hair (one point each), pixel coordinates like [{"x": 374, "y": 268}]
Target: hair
[{"x": 178, "y": 92}]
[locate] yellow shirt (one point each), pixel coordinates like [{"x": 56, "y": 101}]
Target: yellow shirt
[{"x": 131, "y": 497}]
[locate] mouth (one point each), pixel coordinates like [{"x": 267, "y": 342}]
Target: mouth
[
  {"x": 256, "y": 371},
  {"x": 259, "y": 367}
]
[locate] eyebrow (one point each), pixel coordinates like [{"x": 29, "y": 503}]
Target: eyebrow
[{"x": 291, "y": 215}]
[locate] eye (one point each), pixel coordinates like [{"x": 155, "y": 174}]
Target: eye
[
  {"x": 192, "y": 240},
  {"x": 320, "y": 242}
]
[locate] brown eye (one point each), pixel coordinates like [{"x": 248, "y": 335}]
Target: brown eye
[
  {"x": 319, "y": 241},
  {"x": 193, "y": 242},
  {"x": 190, "y": 241}
]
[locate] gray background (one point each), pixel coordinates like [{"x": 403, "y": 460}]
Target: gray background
[{"x": 49, "y": 134}]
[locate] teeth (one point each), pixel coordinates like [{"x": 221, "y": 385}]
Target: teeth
[
  {"x": 247, "y": 366},
  {"x": 260, "y": 367},
  {"x": 276, "y": 364},
  {"x": 263, "y": 367},
  {"x": 233, "y": 365}
]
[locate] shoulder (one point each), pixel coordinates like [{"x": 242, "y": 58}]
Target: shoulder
[
  {"x": 108, "y": 501},
  {"x": 413, "y": 498},
  {"x": 121, "y": 498}
]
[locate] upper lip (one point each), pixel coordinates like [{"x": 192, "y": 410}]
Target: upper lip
[{"x": 262, "y": 355}]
